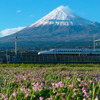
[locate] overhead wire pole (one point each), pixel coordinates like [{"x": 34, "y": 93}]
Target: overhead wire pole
[
  {"x": 7, "y": 56},
  {"x": 93, "y": 41},
  {"x": 16, "y": 45}
]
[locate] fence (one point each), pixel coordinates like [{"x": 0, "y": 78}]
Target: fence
[{"x": 49, "y": 59}]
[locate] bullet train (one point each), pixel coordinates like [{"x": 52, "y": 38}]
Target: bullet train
[{"x": 70, "y": 51}]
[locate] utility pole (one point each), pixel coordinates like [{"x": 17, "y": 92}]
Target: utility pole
[
  {"x": 7, "y": 56},
  {"x": 16, "y": 45},
  {"x": 93, "y": 41}
]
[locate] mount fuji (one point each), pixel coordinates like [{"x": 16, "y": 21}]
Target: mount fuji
[
  {"x": 61, "y": 16},
  {"x": 59, "y": 29}
]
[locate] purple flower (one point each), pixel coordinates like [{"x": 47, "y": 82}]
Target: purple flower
[
  {"x": 3, "y": 96},
  {"x": 61, "y": 84},
  {"x": 41, "y": 98},
  {"x": 84, "y": 89},
  {"x": 96, "y": 79},
  {"x": 86, "y": 84},
  {"x": 25, "y": 90},
  {"x": 87, "y": 95},
  {"x": 36, "y": 87},
  {"x": 71, "y": 85},
  {"x": 58, "y": 85},
  {"x": 80, "y": 84},
  {"x": 90, "y": 81},
  {"x": 63, "y": 98}
]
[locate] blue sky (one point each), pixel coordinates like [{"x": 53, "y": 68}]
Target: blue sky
[{"x": 15, "y": 14}]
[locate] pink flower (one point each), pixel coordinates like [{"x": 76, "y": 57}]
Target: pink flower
[
  {"x": 49, "y": 99},
  {"x": 15, "y": 94},
  {"x": 79, "y": 79},
  {"x": 71, "y": 85},
  {"x": 25, "y": 90},
  {"x": 80, "y": 84},
  {"x": 84, "y": 89},
  {"x": 41, "y": 98},
  {"x": 37, "y": 87},
  {"x": 58, "y": 85},
  {"x": 75, "y": 94},
  {"x": 67, "y": 77},
  {"x": 61, "y": 84},
  {"x": 90, "y": 81},
  {"x": 96, "y": 79},
  {"x": 86, "y": 84},
  {"x": 26, "y": 95},
  {"x": 3, "y": 96},
  {"x": 87, "y": 95}
]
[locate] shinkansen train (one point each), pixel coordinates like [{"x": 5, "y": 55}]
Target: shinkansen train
[{"x": 71, "y": 51}]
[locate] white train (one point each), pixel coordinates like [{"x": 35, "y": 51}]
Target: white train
[{"x": 71, "y": 51}]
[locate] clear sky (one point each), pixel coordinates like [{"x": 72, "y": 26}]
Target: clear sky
[{"x": 16, "y": 14}]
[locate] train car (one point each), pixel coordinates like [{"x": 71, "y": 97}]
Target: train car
[{"x": 71, "y": 51}]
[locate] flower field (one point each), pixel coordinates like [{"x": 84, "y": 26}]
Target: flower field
[{"x": 50, "y": 82}]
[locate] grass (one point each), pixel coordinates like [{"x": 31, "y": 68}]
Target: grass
[{"x": 49, "y": 82}]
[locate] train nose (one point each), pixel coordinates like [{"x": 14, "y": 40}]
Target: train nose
[{"x": 39, "y": 53}]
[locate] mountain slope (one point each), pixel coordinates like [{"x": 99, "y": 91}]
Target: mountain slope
[
  {"x": 61, "y": 16},
  {"x": 59, "y": 27}
]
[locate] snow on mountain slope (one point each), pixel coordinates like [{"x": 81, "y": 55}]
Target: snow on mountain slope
[{"x": 61, "y": 16}]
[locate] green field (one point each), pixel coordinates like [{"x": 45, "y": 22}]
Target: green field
[{"x": 50, "y": 82}]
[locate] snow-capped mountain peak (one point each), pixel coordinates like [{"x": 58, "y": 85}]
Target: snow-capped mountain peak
[{"x": 61, "y": 16}]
